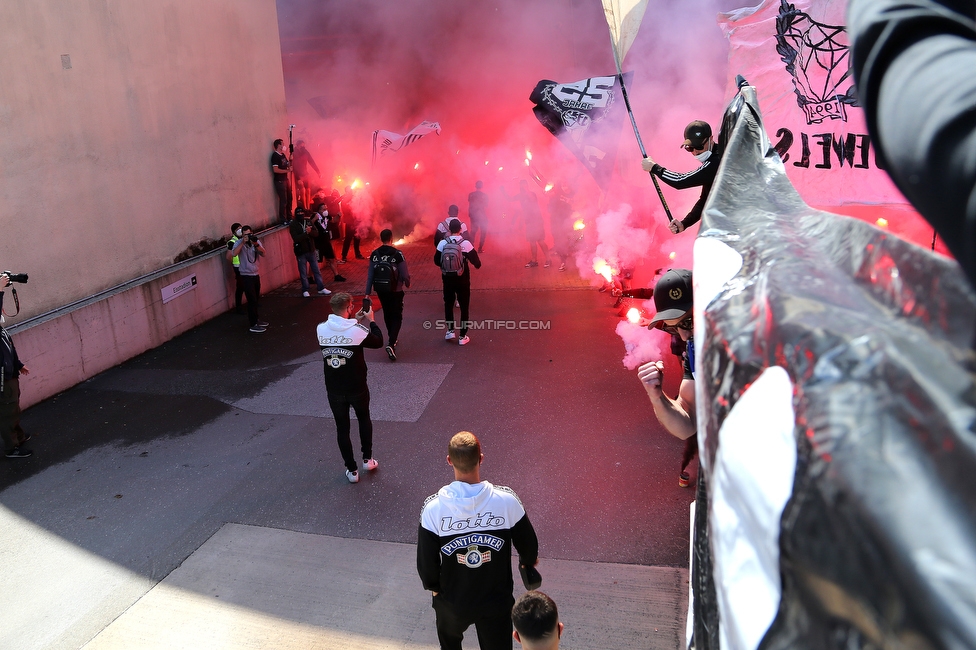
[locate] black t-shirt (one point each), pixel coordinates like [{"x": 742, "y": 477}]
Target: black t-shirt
[{"x": 281, "y": 162}]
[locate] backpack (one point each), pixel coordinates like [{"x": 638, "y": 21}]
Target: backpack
[
  {"x": 452, "y": 257},
  {"x": 385, "y": 276}
]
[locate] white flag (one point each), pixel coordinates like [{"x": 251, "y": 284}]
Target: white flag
[
  {"x": 624, "y": 18},
  {"x": 387, "y": 141}
]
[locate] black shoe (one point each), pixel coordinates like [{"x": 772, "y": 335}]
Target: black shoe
[
  {"x": 390, "y": 353},
  {"x": 339, "y": 278},
  {"x": 360, "y": 257},
  {"x": 19, "y": 452}
]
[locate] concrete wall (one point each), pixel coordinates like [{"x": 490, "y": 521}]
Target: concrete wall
[
  {"x": 129, "y": 130},
  {"x": 72, "y": 344}
]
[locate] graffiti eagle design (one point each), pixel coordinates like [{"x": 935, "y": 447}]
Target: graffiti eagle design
[{"x": 816, "y": 56}]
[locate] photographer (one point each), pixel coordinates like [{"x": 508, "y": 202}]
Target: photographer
[
  {"x": 248, "y": 250},
  {"x": 13, "y": 436},
  {"x": 302, "y": 231}
]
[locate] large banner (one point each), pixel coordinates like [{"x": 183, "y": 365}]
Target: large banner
[
  {"x": 586, "y": 117},
  {"x": 796, "y": 56},
  {"x": 836, "y": 408}
]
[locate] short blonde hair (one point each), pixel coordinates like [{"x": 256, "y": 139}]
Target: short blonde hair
[
  {"x": 340, "y": 302},
  {"x": 464, "y": 450}
]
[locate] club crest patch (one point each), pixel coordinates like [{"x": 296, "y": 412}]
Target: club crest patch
[
  {"x": 473, "y": 558},
  {"x": 675, "y": 293}
]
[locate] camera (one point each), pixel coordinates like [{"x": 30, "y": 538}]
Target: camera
[
  {"x": 15, "y": 277},
  {"x": 252, "y": 238}
]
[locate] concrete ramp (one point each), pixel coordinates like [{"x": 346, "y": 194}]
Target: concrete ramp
[{"x": 256, "y": 587}]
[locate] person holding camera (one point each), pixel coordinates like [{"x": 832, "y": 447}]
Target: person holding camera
[
  {"x": 342, "y": 339},
  {"x": 248, "y": 251},
  {"x": 302, "y": 231},
  {"x": 11, "y": 432},
  {"x": 322, "y": 219}
]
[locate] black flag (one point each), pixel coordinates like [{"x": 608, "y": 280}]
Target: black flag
[{"x": 586, "y": 117}]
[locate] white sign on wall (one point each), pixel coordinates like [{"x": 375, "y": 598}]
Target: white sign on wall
[{"x": 179, "y": 287}]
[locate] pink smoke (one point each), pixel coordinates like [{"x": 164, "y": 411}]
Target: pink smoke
[
  {"x": 353, "y": 66},
  {"x": 641, "y": 344}
]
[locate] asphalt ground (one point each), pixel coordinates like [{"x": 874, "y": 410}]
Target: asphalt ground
[{"x": 141, "y": 465}]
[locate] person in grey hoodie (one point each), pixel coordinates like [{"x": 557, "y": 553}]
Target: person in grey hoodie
[{"x": 342, "y": 338}]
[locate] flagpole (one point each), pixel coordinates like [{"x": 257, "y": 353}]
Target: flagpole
[{"x": 633, "y": 122}]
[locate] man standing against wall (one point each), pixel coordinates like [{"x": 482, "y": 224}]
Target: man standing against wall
[
  {"x": 248, "y": 251},
  {"x": 464, "y": 550},
  {"x": 388, "y": 275},
  {"x": 235, "y": 236},
  {"x": 342, "y": 338},
  {"x": 10, "y": 370},
  {"x": 280, "y": 169}
]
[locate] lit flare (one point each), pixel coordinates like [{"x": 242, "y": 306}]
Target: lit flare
[{"x": 579, "y": 224}]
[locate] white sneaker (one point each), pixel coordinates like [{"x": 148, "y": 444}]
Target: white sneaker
[
  {"x": 306, "y": 294},
  {"x": 324, "y": 292},
  {"x": 449, "y": 336},
  {"x": 464, "y": 340},
  {"x": 352, "y": 476},
  {"x": 370, "y": 465}
]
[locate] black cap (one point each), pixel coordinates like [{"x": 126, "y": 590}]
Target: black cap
[
  {"x": 697, "y": 134},
  {"x": 673, "y": 296}
]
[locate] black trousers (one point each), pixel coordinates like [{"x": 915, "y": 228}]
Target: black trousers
[
  {"x": 238, "y": 289},
  {"x": 479, "y": 225},
  {"x": 392, "y": 304},
  {"x": 284, "y": 200},
  {"x": 340, "y": 411},
  {"x": 252, "y": 291},
  {"x": 10, "y": 430},
  {"x": 494, "y": 628},
  {"x": 457, "y": 287},
  {"x": 351, "y": 238}
]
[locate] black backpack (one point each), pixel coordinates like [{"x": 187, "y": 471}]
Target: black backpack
[{"x": 385, "y": 276}]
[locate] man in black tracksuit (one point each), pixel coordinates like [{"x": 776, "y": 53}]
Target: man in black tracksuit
[
  {"x": 388, "y": 274},
  {"x": 342, "y": 339},
  {"x": 699, "y": 143},
  {"x": 464, "y": 551}
]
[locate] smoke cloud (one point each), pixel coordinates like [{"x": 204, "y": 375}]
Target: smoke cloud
[{"x": 355, "y": 66}]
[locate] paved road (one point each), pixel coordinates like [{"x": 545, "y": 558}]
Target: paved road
[{"x": 139, "y": 466}]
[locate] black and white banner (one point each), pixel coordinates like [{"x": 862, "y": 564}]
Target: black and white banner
[
  {"x": 836, "y": 407},
  {"x": 387, "y": 141},
  {"x": 586, "y": 117}
]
